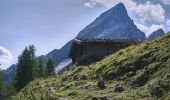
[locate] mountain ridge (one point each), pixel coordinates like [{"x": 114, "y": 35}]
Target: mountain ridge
[{"x": 58, "y": 55}]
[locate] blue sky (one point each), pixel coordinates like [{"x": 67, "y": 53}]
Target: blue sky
[{"x": 49, "y": 24}]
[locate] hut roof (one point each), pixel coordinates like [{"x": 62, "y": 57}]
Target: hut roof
[
  {"x": 77, "y": 41},
  {"x": 82, "y": 41}
]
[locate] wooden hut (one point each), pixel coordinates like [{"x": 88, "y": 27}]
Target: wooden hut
[{"x": 97, "y": 47}]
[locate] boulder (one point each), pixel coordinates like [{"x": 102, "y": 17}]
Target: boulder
[
  {"x": 104, "y": 98},
  {"x": 100, "y": 98},
  {"x": 75, "y": 78},
  {"x": 156, "y": 90},
  {"x": 83, "y": 77},
  {"x": 118, "y": 88},
  {"x": 78, "y": 69},
  {"x": 64, "y": 79},
  {"x": 95, "y": 98},
  {"x": 101, "y": 84}
]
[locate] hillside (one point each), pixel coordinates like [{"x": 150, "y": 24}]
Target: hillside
[{"x": 139, "y": 72}]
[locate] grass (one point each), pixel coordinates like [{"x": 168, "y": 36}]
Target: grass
[{"x": 143, "y": 71}]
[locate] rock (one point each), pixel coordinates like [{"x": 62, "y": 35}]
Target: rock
[
  {"x": 100, "y": 98},
  {"x": 83, "y": 77},
  {"x": 156, "y": 91},
  {"x": 67, "y": 87},
  {"x": 78, "y": 69},
  {"x": 101, "y": 84},
  {"x": 75, "y": 78},
  {"x": 95, "y": 98},
  {"x": 164, "y": 84},
  {"x": 104, "y": 98},
  {"x": 64, "y": 79},
  {"x": 118, "y": 88},
  {"x": 168, "y": 76},
  {"x": 72, "y": 93}
]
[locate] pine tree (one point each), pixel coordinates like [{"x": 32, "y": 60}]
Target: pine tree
[
  {"x": 41, "y": 69},
  {"x": 33, "y": 62},
  {"x": 50, "y": 67},
  {"x": 27, "y": 68},
  {"x": 22, "y": 76},
  {"x": 2, "y": 89},
  {"x": 1, "y": 84}
]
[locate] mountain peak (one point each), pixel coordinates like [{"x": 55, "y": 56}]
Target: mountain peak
[
  {"x": 119, "y": 10},
  {"x": 113, "y": 24},
  {"x": 120, "y": 6},
  {"x": 160, "y": 30},
  {"x": 156, "y": 34}
]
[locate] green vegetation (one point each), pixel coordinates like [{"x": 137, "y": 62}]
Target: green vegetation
[
  {"x": 26, "y": 68},
  {"x": 1, "y": 84},
  {"x": 6, "y": 91},
  {"x": 139, "y": 72},
  {"x": 50, "y": 67},
  {"x": 29, "y": 67}
]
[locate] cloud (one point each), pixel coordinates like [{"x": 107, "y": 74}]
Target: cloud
[
  {"x": 110, "y": 3},
  {"x": 147, "y": 11},
  {"x": 155, "y": 27},
  {"x": 6, "y": 58},
  {"x": 166, "y": 2},
  {"x": 90, "y": 4},
  {"x": 150, "y": 12}
]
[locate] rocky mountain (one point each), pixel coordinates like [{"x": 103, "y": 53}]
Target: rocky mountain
[
  {"x": 9, "y": 74},
  {"x": 58, "y": 55},
  {"x": 113, "y": 24},
  {"x": 156, "y": 34},
  {"x": 140, "y": 72}
]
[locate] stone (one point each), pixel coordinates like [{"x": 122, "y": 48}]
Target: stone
[
  {"x": 78, "y": 69},
  {"x": 100, "y": 98},
  {"x": 64, "y": 79},
  {"x": 83, "y": 77},
  {"x": 104, "y": 98},
  {"x": 118, "y": 88},
  {"x": 95, "y": 98},
  {"x": 75, "y": 77},
  {"x": 156, "y": 90},
  {"x": 101, "y": 84},
  {"x": 72, "y": 93}
]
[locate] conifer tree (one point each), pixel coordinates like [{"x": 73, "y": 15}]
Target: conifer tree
[
  {"x": 27, "y": 68},
  {"x": 50, "y": 67},
  {"x": 1, "y": 84},
  {"x": 41, "y": 69}
]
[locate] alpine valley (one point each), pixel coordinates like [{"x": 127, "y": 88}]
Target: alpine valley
[{"x": 137, "y": 72}]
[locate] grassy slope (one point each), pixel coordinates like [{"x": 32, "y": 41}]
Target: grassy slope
[{"x": 136, "y": 68}]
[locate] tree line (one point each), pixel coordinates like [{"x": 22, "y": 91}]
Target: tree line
[{"x": 29, "y": 67}]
